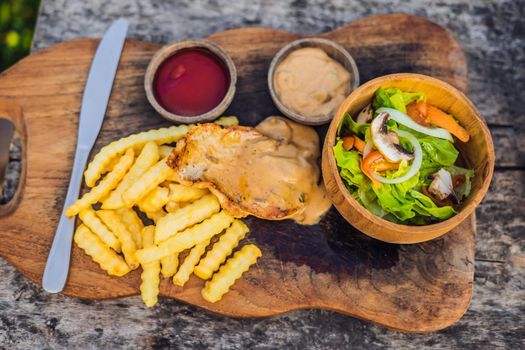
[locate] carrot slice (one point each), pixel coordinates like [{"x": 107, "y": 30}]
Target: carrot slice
[
  {"x": 426, "y": 115},
  {"x": 439, "y": 118},
  {"x": 385, "y": 166},
  {"x": 367, "y": 166},
  {"x": 417, "y": 111},
  {"x": 359, "y": 144},
  {"x": 348, "y": 142}
]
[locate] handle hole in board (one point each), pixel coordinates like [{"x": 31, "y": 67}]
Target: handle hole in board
[
  {"x": 13, "y": 146},
  {"x": 10, "y": 160}
]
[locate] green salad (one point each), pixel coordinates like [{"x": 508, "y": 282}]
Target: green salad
[{"x": 397, "y": 158}]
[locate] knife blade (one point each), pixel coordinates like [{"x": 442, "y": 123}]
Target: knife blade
[{"x": 93, "y": 109}]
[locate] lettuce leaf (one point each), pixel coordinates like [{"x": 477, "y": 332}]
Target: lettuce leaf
[
  {"x": 395, "y": 98},
  {"x": 424, "y": 206},
  {"x": 438, "y": 150},
  {"x": 368, "y": 199},
  {"x": 410, "y": 205},
  {"x": 350, "y": 164},
  {"x": 400, "y": 207},
  {"x": 393, "y": 197},
  {"x": 349, "y": 127},
  {"x": 464, "y": 189},
  {"x": 406, "y": 202},
  {"x": 397, "y": 202},
  {"x": 381, "y": 99},
  {"x": 437, "y": 154}
]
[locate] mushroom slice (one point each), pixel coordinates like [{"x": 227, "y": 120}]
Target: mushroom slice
[
  {"x": 365, "y": 115},
  {"x": 442, "y": 186},
  {"x": 388, "y": 142}
]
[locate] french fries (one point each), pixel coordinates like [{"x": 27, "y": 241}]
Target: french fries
[
  {"x": 180, "y": 193},
  {"x": 148, "y": 157},
  {"x": 229, "y": 272},
  {"x": 221, "y": 250},
  {"x": 147, "y": 182},
  {"x": 187, "y": 238},
  {"x": 185, "y": 217},
  {"x": 108, "y": 260},
  {"x": 186, "y": 268},
  {"x": 227, "y": 121},
  {"x": 111, "y": 165},
  {"x": 149, "y": 288},
  {"x": 92, "y": 222},
  {"x": 105, "y": 186},
  {"x": 115, "y": 224},
  {"x": 169, "y": 265},
  {"x": 172, "y": 206},
  {"x": 155, "y": 216},
  {"x": 133, "y": 223},
  {"x": 136, "y": 141},
  {"x": 155, "y": 200}
]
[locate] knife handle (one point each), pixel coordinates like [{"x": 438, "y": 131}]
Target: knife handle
[{"x": 57, "y": 266}]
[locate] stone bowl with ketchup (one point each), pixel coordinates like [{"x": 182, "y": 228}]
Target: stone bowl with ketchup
[
  {"x": 191, "y": 81},
  {"x": 309, "y": 78}
]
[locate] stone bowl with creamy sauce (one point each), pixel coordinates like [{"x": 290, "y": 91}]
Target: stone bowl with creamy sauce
[{"x": 309, "y": 78}]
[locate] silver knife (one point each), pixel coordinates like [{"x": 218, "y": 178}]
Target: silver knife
[{"x": 94, "y": 104}]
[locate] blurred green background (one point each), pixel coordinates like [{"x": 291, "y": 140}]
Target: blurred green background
[{"x": 17, "y": 25}]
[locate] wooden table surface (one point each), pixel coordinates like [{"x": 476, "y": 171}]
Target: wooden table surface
[{"x": 493, "y": 36}]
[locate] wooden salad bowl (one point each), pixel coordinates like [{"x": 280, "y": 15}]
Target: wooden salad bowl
[{"x": 478, "y": 154}]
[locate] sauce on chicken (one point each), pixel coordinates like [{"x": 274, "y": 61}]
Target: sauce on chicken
[
  {"x": 270, "y": 171},
  {"x": 300, "y": 145}
]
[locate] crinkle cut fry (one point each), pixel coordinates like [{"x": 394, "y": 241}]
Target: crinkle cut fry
[
  {"x": 148, "y": 157},
  {"x": 159, "y": 136},
  {"x": 230, "y": 272},
  {"x": 107, "y": 258},
  {"x": 109, "y": 182},
  {"x": 187, "y": 238},
  {"x": 221, "y": 250},
  {"x": 149, "y": 288}
]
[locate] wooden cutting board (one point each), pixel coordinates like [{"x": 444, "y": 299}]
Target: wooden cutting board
[{"x": 416, "y": 288}]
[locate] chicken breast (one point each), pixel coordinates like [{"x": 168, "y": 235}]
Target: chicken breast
[{"x": 250, "y": 172}]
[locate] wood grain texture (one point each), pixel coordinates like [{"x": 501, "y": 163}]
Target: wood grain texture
[
  {"x": 477, "y": 153},
  {"x": 413, "y": 288}
]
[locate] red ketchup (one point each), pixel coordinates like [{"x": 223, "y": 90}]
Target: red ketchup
[{"x": 191, "y": 82}]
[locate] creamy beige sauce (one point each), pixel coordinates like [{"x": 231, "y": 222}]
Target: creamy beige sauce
[
  {"x": 293, "y": 165},
  {"x": 311, "y": 83}
]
